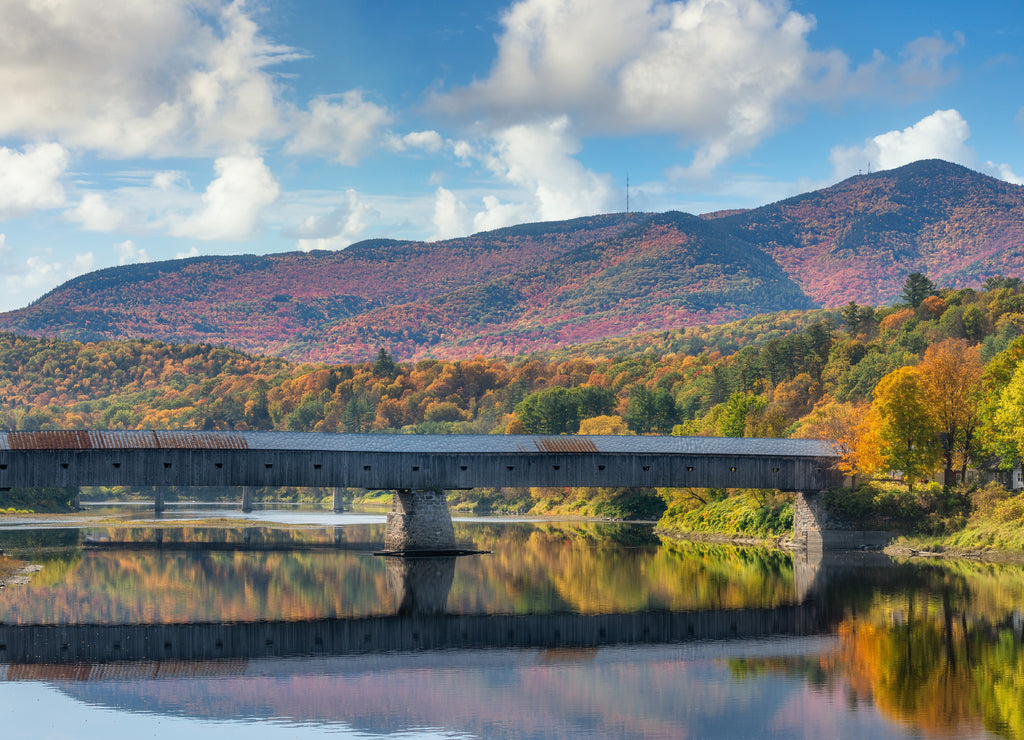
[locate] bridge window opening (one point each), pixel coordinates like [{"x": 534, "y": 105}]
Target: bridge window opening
[
  {"x": 415, "y": 468},
  {"x": 733, "y": 468},
  {"x": 600, "y": 467},
  {"x": 510, "y": 467},
  {"x": 268, "y": 466},
  {"x": 775, "y": 470},
  {"x": 218, "y": 465},
  {"x": 167, "y": 646},
  {"x": 317, "y": 466},
  {"x": 3, "y": 467},
  {"x": 647, "y": 467},
  {"x": 117, "y": 465},
  {"x": 167, "y": 466},
  {"x": 463, "y": 467},
  {"x": 557, "y": 467},
  {"x": 366, "y": 467},
  {"x": 689, "y": 468},
  {"x": 64, "y": 465}
]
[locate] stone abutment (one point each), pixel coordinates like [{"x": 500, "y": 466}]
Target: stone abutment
[{"x": 419, "y": 521}]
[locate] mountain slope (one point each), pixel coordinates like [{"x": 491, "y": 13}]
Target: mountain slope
[
  {"x": 860, "y": 238},
  {"x": 259, "y": 304},
  {"x": 673, "y": 270},
  {"x": 549, "y": 285}
]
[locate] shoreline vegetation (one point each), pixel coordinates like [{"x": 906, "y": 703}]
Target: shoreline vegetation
[{"x": 975, "y": 522}]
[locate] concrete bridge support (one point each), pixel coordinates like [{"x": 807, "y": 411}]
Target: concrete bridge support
[
  {"x": 419, "y": 520},
  {"x": 158, "y": 500},
  {"x": 246, "y": 499},
  {"x": 336, "y": 503}
]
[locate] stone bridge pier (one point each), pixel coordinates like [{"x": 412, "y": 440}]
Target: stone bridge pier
[
  {"x": 815, "y": 529},
  {"x": 419, "y": 523}
]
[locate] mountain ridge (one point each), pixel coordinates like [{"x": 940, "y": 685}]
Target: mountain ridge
[{"x": 545, "y": 285}]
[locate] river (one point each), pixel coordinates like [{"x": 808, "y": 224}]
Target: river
[{"x": 562, "y": 629}]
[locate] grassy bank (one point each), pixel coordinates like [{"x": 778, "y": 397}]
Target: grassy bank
[
  {"x": 753, "y": 514},
  {"x": 994, "y": 522},
  {"x": 635, "y": 504}
]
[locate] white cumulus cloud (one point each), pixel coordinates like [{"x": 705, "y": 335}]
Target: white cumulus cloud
[
  {"x": 428, "y": 141},
  {"x": 343, "y": 130},
  {"x": 234, "y": 202},
  {"x": 941, "y": 135},
  {"x": 336, "y": 228},
  {"x": 129, "y": 253},
  {"x": 192, "y": 252},
  {"x": 94, "y": 214},
  {"x": 137, "y": 78},
  {"x": 451, "y": 217},
  {"x": 27, "y": 273},
  {"x": 720, "y": 75},
  {"x": 715, "y": 73},
  {"x": 537, "y": 159},
  {"x": 30, "y": 180}
]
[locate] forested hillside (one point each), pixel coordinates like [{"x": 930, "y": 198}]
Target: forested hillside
[
  {"x": 859, "y": 239},
  {"x": 278, "y": 304},
  {"x": 554, "y": 285}
]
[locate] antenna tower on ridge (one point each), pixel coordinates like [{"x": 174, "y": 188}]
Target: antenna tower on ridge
[{"x": 627, "y": 192}]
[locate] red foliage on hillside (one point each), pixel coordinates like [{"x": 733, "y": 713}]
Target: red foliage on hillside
[{"x": 549, "y": 285}]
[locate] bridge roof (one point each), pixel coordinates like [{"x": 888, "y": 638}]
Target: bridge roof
[{"x": 415, "y": 443}]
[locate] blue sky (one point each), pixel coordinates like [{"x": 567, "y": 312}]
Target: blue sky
[{"x": 139, "y": 130}]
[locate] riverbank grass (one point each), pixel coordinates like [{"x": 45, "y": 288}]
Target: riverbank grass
[
  {"x": 756, "y": 514},
  {"x": 995, "y": 522}
]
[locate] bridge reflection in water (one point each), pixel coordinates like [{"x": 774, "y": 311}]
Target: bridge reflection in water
[{"x": 420, "y": 587}]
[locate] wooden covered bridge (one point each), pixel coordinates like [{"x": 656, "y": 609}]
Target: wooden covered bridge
[{"x": 417, "y": 467}]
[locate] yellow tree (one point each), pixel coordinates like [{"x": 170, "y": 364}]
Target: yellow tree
[
  {"x": 951, "y": 371},
  {"x": 851, "y": 428},
  {"x": 904, "y": 424}
]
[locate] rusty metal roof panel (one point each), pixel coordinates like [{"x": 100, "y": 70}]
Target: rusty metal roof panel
[
  {"x": 134, "y": 439},
  {"x": 201, "y": 440},
  {"x": 55, "y": 440},
  {"x": 565, "y": 444}
]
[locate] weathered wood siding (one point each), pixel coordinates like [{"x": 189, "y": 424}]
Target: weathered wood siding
[{"x": 406, "y": 470}]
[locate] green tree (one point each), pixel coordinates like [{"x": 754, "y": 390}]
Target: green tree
[
  {"x": 916, "y": 288},
  {"x": 384, "y": 366},
  {"x": 651, "y": 411},
  {"x": 733, "y": 421},
  {"x": 850, "y": 314}
]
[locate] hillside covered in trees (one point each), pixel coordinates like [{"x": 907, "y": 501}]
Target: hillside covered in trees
[{"x": 551, "y": 286}]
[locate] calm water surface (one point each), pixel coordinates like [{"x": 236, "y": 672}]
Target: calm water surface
[{"x": 563, "y": 630}]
